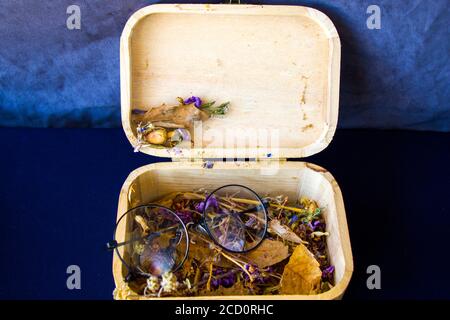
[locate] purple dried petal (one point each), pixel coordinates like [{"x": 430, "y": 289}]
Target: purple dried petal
[
  {"x": 327, "y": 273},
  {"x": 250, "y": 221},
  {"x": 185, "y": 216},
  {"x": 215, "y": 283},
  {"x": 208, "y": 164},
  {"x": 185, "y": 134},
  {"x": 227, "y": 282},
  {"x": 195, "y": 100},
  {"x": 200, "y": 206},
  {"x": 293, "y": 219},
  {"x": 212, "y": 201}
]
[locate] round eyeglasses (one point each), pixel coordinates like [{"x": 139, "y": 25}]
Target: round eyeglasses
[{"x": 156, "y": 242}]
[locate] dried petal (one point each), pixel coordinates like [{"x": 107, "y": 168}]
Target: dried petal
[
  {"x": 328, "y": 273},
  {"x": 195, "y": 100},
  {"x": 169, "y": 282}
]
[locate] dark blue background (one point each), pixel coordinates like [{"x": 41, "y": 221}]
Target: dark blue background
[{"x": 395, "y": 77}]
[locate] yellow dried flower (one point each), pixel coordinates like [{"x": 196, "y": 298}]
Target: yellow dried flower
[
  {"x": 139, "y": 248},
  {"x": 123, "y": 292},
  {"x": 169, "y": 282},
  {"x": 153, "y": 285}
]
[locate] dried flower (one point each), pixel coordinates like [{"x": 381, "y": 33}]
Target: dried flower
[
  {"x": 187, "y": 283},
  {"x": 260, "y": 276},
  {"x": 195, "y": 100},
  {"x": 153, "y": 285},
  {"x": 142, "y": 130},
  {"x": 222, "y": 277},
  {"x": 185, "y": 216},
  {"x": 178, "y": 135},
  {"x": 208, "y": 164},
  {"x": 169, "y": 282},
  {"x": 212, "y": 201},
  {"x": 314, "y": 225},
  {"x": 185, "y": 134},
  {"x": 328, "y": 273},
  {"x": 293, "y": 219},
  {"x": 139, "y": 248}
]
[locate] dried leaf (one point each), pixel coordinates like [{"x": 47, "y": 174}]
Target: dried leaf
[
  {"x": 182, "y": 115},
  {"x": 302, "y": 274},
  {"x": 275, "y": 227},
  {"x": 268, "y": 253},
  {"x": 200, "y": 251}
]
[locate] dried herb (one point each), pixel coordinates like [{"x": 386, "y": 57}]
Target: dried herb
[
  {"x": 216, "y": 110},
  {"x": 293, "y": 259}
]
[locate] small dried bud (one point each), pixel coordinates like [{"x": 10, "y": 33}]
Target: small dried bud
[
  {"x": 319, "y": 234},
  {"x": 312, "y": 207},
  {"x": 157, "y": 136}
]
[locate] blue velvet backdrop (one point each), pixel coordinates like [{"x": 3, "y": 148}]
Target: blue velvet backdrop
[{"x": 394, "y": 77}]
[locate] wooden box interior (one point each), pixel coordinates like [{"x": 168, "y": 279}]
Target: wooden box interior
[
  {"x": 294, "y": 179},
  {"x": 277, "y": 65}
]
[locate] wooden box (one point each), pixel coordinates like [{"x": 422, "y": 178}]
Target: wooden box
[{"x": 279, "y": 67}]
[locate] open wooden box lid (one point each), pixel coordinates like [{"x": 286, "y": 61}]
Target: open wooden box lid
[{"x": 277, "y": 65}]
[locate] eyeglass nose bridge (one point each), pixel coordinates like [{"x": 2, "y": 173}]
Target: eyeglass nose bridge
[{"x": 202, "y": 228}]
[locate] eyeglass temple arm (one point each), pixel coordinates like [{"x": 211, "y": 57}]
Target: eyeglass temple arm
[{"x": 111, "y": 245}]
